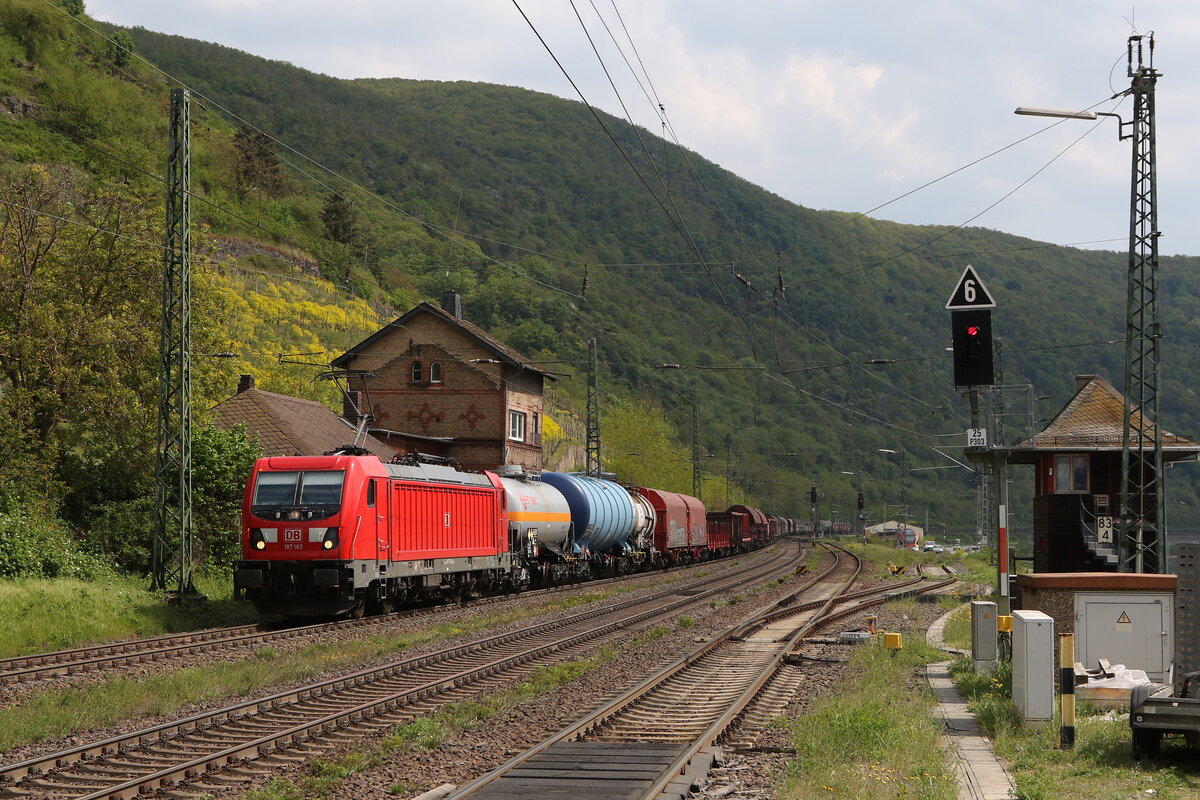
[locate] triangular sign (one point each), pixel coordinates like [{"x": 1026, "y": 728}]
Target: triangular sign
[{"x": 970, "y": 292}]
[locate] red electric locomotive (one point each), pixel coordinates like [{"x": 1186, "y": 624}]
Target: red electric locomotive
[{"x": 339, "y": 533}]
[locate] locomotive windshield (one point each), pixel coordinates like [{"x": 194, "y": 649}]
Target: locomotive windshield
[{"x": 313, "y": 494}]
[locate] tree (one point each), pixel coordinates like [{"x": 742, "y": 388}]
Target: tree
[
  {"x": 120, "y": 48},
  {"x": 221, "y": 463},
  {"x": 256, "y": 167},
  {"x": 339, "y": 219}
]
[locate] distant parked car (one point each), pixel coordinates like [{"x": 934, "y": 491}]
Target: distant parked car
[{"x": 937, "y": 548}]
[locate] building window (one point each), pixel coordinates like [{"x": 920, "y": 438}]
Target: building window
[
  {"x": 435, "y": 372},
  {"x": 416, "y": 371},
  {"x": 1071, "y": 474},
  {"x": 516, "y": 426}
]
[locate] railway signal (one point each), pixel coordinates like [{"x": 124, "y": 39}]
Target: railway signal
[{"x": 972, "y": 337}]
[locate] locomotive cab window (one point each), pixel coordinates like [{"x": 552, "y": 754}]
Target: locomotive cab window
[
  {"x": 315, "y": 494},
  {"x": 516, "y": 426},
  {"x": 435, "y": 372},
  {"x": 1071, "y": 474}
]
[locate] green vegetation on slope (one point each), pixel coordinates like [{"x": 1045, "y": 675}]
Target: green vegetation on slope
[{"x": 517, "y": 200}]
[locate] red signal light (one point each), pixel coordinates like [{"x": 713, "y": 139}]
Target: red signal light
[{"x": 972, "y": 330}]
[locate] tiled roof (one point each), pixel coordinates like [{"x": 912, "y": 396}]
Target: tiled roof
[
  {"x": 1094, "y": 420},
  {"x": 288, "y": 426},
  {"x": 501, "y": 350}
]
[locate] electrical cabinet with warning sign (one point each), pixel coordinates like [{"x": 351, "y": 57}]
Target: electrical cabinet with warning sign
[
  {"x": 1122, "y": 617},
  {"x": 1136, "y": 629}
]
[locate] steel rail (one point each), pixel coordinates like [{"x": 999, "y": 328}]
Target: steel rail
[
  {"x": 122, "y": 744},
  {"x": 19, "y": 669},
  {"x": 711, "y": 734}
]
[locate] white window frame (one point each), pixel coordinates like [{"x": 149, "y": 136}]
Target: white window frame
[
  {"x": 516, "y": 426},
  {"x": 435, "y": 372}
]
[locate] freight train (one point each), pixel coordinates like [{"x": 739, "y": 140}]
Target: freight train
[{"x": 351, "y": 534}]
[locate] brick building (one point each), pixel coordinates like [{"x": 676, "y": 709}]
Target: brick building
[
  {"x": 1078, "y": 479},
  {"x": 436, "y": 383}
]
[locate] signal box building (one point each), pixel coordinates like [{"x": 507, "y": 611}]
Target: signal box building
[
  {"x": 438, "y": 384},
  {"x": 1077, "y": 479}
]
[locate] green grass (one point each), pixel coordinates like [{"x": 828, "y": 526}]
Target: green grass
[
  {"x": 958, "y": 627},
  {"x": 55, "y": 614},
  {"x": 1099, "y": 767},
  {"x": 876, "y": 738},
  {"x": 59, "y": 613}
]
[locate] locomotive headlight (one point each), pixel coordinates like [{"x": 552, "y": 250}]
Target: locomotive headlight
[
  {"x": 331, "y": 538},
  {"x": 256, "y": 539}
]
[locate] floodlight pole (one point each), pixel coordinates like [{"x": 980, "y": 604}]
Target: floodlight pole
[
  {"x": 1141, "y": 524},
  {"x": 1142, "y": 528}
]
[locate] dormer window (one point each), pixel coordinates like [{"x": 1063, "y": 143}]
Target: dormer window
[
  {"x": 416, "y": 372},
  {"x": 435, "y": 372}
]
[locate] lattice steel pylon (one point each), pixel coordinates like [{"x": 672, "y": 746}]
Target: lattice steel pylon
[
  {"x": 171, "y": 551},
  {"x": 1142, "y": 529},
  {"x": 697, "y": 476},
  {"x": 592, "y": 465}
]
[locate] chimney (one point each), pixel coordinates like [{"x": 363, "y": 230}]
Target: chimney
[
  {"x": 1083, "y": 380},
  {"x": 245, "y": 382},
  {"x": 452, "y": 302},
  {"x": 350, "y": 406}
]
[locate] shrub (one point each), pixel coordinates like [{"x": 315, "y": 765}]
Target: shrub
[{"x": 34, "y": 544}]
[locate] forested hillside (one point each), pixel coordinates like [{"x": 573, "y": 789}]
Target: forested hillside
[{"x": 324, "y": 206}]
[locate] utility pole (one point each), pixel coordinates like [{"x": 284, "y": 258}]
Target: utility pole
[
  {"x": 697, "y": 478},
  {"x": 728, "y": 471},
  {"x": 1142, "y": 530},
  {"x": 813, "y": 510},
  {"x": 171, "y": 547},
  {"x": 592, "y": 467}
]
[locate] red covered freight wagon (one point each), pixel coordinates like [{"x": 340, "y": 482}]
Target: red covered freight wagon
[
  {"x": 759, "y": 525},
  {"x": 680, "y": 525}
]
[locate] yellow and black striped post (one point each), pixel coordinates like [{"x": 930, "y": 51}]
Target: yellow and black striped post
[{"x": 1066, "y": 687}]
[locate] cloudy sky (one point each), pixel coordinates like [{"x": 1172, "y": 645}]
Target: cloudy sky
[{"x": 842, "y": 106}]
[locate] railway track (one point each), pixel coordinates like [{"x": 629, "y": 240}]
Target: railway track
[
  {"x": 81, "y": 660},
  {"x": 655, "y": 740},
  {"x": 259, "y": 734}
]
